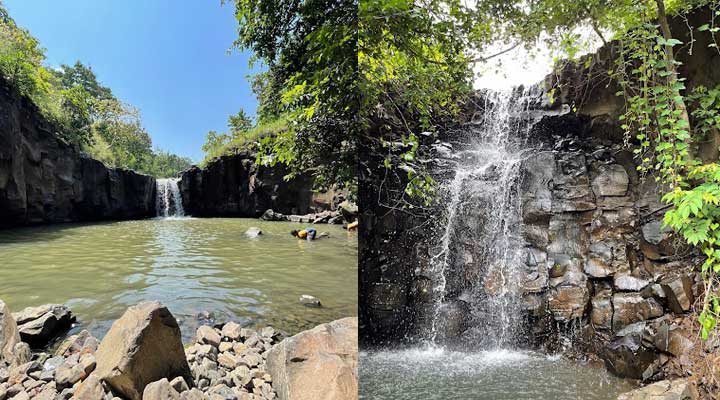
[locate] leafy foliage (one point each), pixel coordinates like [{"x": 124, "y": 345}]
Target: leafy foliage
[
  {"x": 310, "y": 50},
  {"x": 657, "y": 117}
]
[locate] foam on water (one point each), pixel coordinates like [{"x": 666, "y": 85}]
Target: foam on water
[{"x": 501, "y": 374}]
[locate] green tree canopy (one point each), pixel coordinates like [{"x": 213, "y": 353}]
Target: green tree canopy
[{"x": 310, "y": 50}]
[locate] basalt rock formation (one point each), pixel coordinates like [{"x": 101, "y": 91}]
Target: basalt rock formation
[
  {"x": 43, "y": 179},
  {"x": 598, "y": 268},
  {"x": 235, "y": 186}
]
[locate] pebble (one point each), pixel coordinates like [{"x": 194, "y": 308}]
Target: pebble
[{"x": 226, "y": 364}]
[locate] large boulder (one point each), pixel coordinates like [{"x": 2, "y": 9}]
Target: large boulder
[
  {"x": 143, "y": 346},
  {"x": 318, "y": 364},
  {"x": 9, "y": 335},
  {"x": 39, "y": 325},
  {"x": 679, "y": 389}
]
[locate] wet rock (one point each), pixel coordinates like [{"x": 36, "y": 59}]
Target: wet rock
[
  {"x": 38, "y": 325},
  {"x": 658, "y": 243},
  {"x": 160, "y": 390},
  {"x": 535, "y": 304},
  {"x": 632, "y": 307},
  {"x": 452, "y": 320},
  {"x": 310, "y": 301},
  {"x": 537, "y": 197},
  {"x": 679, "y": 389},
  {"x": 9, "y": 335},
  {"x": 143, "y": 346},
  {"x": 627, "y": 357},
  {"x": 599, "y": 263},
  {"x": 253, "y": 232},
  {"x": 568, "y": 302},
  {"x": 208, "y": 335},
  {"x": 602, "y": 311},
  {"x": 605, "y": 258},
  {"x": 319, "y": 364},
  {"x": 611, "y": 180},
  {"x": 679, "y": 293}
]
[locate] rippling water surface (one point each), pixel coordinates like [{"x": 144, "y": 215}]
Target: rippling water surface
[
  {"x": 191, "y": 265},
  {"x": 438, "y": 374}
]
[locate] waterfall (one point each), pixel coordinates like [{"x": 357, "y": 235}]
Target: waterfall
[
  {"x": 168, "y": 201},
  {"x": 478, "y": 263}
]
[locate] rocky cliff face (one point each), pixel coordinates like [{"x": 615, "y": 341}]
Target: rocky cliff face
[
  {"x": 235, "y": 186},
  {"x": 45, "y": 180},
  {"x": 599, "y": 271}
]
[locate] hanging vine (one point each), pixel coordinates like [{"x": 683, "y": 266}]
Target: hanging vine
[{"x": 657, "y": 117}]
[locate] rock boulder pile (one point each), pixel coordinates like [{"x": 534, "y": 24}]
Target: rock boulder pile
[{"x": 142, "y": 358}]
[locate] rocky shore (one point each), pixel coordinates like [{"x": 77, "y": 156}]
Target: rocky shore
[{"x": 143, "y": 357}]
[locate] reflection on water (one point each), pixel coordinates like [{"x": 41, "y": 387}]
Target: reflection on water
[
  {"x": 435, "y": 374},
  {"x": 191, "y": 265}
]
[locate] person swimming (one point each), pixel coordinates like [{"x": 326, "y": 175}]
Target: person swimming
[{"x": 307, "y": 233}]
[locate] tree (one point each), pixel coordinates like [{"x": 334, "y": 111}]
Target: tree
[
  {"x": 214, "y": 144},
  {"x": 167, "y": 165},
  {"x": 84, "y": 77},
  {"x": 239, "y": 123},
  {"x": 310, "y": 49}
]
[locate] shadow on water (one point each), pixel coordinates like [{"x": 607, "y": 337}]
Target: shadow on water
[{"x": 46, "y": 232}]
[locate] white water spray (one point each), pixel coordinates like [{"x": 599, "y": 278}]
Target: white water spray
[
  {"x": 168, "y": 200},
  {"x": 481, "y": 248}
]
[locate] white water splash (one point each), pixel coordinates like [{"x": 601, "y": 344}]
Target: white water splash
[
  {"x": 168, "y": 202},
  {"x": 483, "y": 220}
]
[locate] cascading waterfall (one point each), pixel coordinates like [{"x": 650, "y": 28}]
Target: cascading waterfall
[
  {"x": 479, "y": 261},
  {"x": 168, "y": 201}
]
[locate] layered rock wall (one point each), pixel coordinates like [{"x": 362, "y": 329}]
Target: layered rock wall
[
  {"x": 43, "y": 179},
  {"x": 600, "y": 270},
  {"x": 235, "y": 186}
]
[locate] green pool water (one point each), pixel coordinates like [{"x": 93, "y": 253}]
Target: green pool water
[{"x": 194, "y": 266}]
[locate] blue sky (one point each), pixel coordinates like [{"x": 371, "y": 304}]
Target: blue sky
[{"x": 168, "y": 58}]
